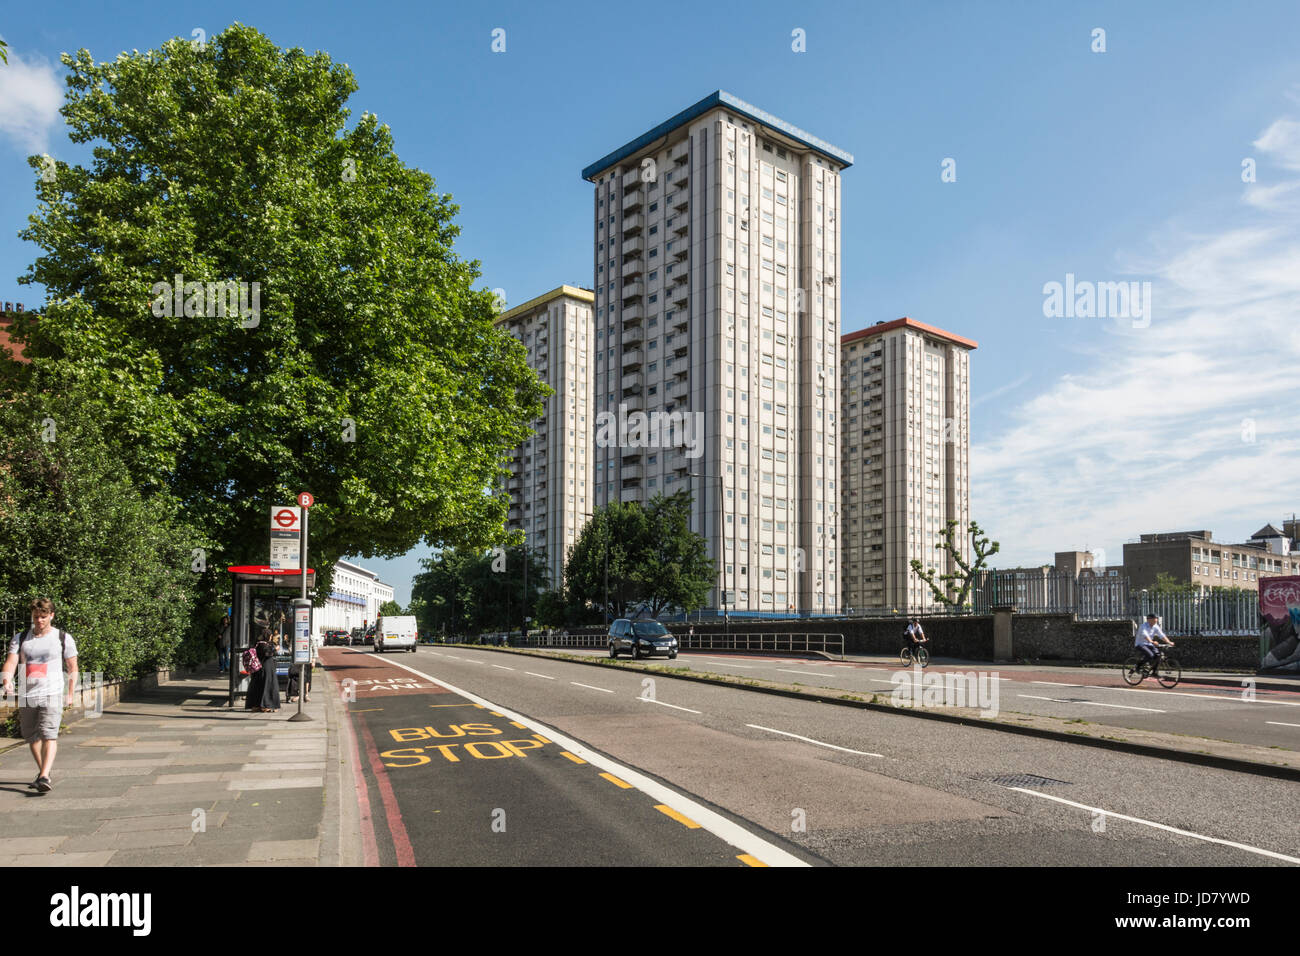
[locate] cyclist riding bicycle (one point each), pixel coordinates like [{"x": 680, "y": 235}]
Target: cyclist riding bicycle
[
  {"x": 1149, "y": 639},
  {"x": 915, "y": 635}
]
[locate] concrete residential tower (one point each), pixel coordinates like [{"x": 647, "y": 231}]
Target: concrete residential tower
[
  {"x": 551, "y": 471},
  {"x": 906, "y": 467},
  {"x": 717, "y": 260}
]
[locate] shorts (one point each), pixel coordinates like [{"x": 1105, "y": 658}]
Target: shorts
[{"x": 41, "y": 723}]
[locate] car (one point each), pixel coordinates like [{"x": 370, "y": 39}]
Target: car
[
  {"x": 358, "y": 636},
  {"x": 396, "y": 633},
  {"x": 336, "y": 637},
  {"x": 641, "y": 638}
]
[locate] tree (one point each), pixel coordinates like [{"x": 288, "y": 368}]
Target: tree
[
  {"x": 127, "y": 575},
  {"x": 957, "y": 584},
  {"x": 464, "y": 591},
  {"x": 654, "y": 558},
  {"x": 372, "y": 375},
  {"x": 4, "y": 52},
  {"x": 389, "y": 608}
]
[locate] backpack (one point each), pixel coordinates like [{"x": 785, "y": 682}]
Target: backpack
[{"x": 252, "y": 663}]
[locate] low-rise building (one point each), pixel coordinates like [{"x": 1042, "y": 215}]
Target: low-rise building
[{"x": 1195, "y": 557}]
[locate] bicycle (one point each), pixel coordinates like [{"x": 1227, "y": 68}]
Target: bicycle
[
  {"x": 1139, "y": 667},
  {"x": 922, "y": 656}
]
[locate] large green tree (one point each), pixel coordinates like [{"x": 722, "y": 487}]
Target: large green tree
[
  {"x": 372, "y": 375},
  {"x": 653, "y": 558},
  {"x": 463, "y": 592},
  {"x": 126, "y": 574}
]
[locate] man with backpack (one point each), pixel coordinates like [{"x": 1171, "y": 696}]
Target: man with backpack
[{"x": 48, "y": 656}]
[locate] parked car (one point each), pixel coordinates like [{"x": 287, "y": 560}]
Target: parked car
[
  {"x": 358, "y": 636},
  {"x": 336, "y": 637},
  {"x": 641, "y": 638}
]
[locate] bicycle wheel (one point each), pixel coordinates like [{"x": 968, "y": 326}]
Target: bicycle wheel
[
  {"x": 905, "y": 657},
  {"x": 1132, "y": 671},
  {"x": 922, "y": 656},
  {"x": 1169, "y": 673}
]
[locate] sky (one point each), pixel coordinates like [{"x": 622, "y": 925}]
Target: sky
[{"x": 1165, "y": 150}]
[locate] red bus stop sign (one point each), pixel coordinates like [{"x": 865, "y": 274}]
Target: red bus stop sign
[{"x": 305, "y": 500}]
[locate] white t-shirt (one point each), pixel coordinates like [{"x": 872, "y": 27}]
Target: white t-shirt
[
  {"x": 40, "y": 672},
  {"x": 1146, "y": 632}
]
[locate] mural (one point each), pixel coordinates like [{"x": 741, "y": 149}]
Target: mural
[{"x": 1279, "y": 636}]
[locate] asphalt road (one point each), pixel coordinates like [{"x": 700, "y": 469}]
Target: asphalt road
[
  {"x": 794, "y": 781},
  {"x": 1263, "y": 717}
]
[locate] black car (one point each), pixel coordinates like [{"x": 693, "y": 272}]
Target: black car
[
  {"x": 641, "y": 639},
  {"x": 358, "y": 636},
  {"x": 336, "y": 637}
]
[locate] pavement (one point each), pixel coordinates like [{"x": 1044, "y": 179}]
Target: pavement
[{"x": 172, "y": 777}]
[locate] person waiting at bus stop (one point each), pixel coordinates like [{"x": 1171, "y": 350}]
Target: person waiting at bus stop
[{"x": 263, "y": 685}]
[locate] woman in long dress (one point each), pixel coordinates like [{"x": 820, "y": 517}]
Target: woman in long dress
[{"x": 263, "y": 686}]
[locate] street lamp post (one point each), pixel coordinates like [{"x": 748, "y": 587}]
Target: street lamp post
[{"x": 722, "y": 504}]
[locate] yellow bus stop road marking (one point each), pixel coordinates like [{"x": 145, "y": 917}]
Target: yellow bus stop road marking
[
  {"x": 616, "y": 782},
  {"x": 368, "y": 710},
  {"x": 565, "y": 753},
  {"x": 680, "y": 818},
  {"x": 748, "y": 860}
]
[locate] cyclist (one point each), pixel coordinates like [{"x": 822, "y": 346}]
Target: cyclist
[
  {"x": 915, "y": 635},
  {"x": 1149, "y": 638}
]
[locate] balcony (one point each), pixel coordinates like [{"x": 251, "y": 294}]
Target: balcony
[
  {"x": 632, "y": 201},
  {"x": 632, "y": 358},
  {"x": 630, "y": 494},
  {"x": 679, "y": 388},
  {"x": 634, "y": 246},
  {"x": 681, "y": 297},
  {"x": 682, "y": 227},
  {"x": 681, "y": 348},
  {"x": 633, "y": 225},
  {"x": 631, "y": 178},
  {"x": 681, "y": 176},
  {"x": 633, "y": 291},
  {"x": 633, "y": 337},
  {"x": 633, "y": 313},
  {"x": 631, "y": 455},
  {"x": 680, "y": 320},
  {"x": 633, "y": 267},
  {"x": 681, "y": 152},
  {"x": 681, "y": 277},
  {"x": 633, "y": 381},
  {"x": 632, "y": 471},
  {"x": 681, "y": 201}
]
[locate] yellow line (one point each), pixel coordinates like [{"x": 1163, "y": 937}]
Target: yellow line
[
  {"x": 748, "y": 860},
  {"x": 369, "y": 710},
  {"x": 616, "y": 782},
  {"x": 565, "y": 753},
  {"x": 515, "y": 723},
  {"x": 684, "y": 821},
  {"x": 540, "y": 739},
  {"x": 453, "y": 705},
  {"x": 495, "y": 714}
]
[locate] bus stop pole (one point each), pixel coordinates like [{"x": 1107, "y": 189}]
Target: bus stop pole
[{"x": 299, "y": 608}]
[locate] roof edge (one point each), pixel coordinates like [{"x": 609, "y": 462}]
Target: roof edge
[
  {"x": 906, "y": 322},
  {"x": 572, "y": 291}
]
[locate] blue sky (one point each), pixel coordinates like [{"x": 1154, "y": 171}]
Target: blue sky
[{"x": 1122, "y": 165}]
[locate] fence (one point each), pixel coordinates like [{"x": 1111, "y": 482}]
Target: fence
[
  {"x": 1190, "y": 614},
  {"x": 789, "y": 642}
]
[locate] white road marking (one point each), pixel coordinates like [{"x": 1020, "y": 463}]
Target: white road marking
[
  {"x": 1054, "y": 683},
  {"x": 1179, "y": 693},
  {"x": 819, "y": 743},
  {"x": 651, "y": 700},
  {"x": 719, "y": 826},
  {"x": 1093, "y": 703},
  {"x": 1161, "y": 826},
  {"x": 719, "y": 660},
  {"x": 543, "y": 676},
  {"x": 589, "y": 687},
  {"x": 805, "y": 673},
  {"x": 503, "y": 667},
  {"x": 1280, "y": 724}
]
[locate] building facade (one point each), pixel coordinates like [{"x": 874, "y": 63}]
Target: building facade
[
  {"x": 356, "y": 595},
  {"x": 905, "y": 404},
  {"x": 551, "y": 471},
  {"x": 1195, "y": 557},
  {"x": 716, "y": 261}
]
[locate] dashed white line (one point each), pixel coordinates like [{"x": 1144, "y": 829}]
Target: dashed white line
[
  {"x": 1279, "y": 723},
  {"x": 1054, "y": 683},
  {"x": 651, "y": 700},
  {"x": 543, "y": 676},
  {"x": 503, "y": 667},
  {"x": 805, "y": 673},
  {"x": 589, "y": 687},
  {"x": 1092, "y": 703},
  {"x": 1161, "y": 826},
  {"x": 819, "y": 743}
]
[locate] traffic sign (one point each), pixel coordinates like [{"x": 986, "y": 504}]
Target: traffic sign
[
  {"x": 286, "y": 519},
  {"x": 305, "y": 499}
]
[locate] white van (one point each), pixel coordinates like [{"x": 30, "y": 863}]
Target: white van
[{"x": 396, "y": 633}]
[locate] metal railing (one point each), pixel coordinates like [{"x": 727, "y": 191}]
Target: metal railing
[
  {"x": 1208, "y": 615},
  {"x": 789, "y": 642}
]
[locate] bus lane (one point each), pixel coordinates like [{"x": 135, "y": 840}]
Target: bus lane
[{"x": 446, "y": 781}]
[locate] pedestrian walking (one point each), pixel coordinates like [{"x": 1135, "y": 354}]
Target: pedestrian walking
[
  {"x": 263, "y": 685},
  {"x": 48, "y": 656},
  {"x": 223, "y": 645}
]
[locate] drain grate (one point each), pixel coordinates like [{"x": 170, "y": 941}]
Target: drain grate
[{"x": 1024, "y": 780}]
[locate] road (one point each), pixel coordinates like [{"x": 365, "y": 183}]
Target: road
[
  {"x": 477, "y": 757},
  {"x": 1263, "y": 717}
]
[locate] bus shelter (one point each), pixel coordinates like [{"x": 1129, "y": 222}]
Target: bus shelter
[{"x": 262, "y": 603}]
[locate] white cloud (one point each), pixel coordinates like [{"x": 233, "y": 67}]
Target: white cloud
[
  {"x": 1189, "y": 423},
  {"x": 30, "y": 97}
]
